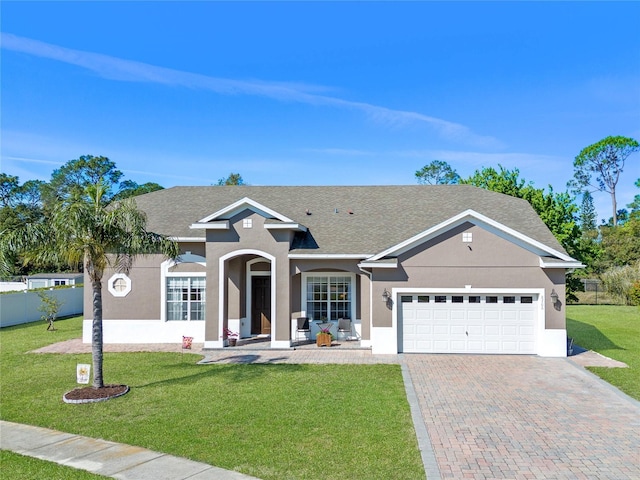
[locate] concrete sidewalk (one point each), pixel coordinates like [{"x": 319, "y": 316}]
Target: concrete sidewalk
[{"x": 110, "y": 459}]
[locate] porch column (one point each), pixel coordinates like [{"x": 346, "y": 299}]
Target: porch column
[
  {"x": 213, "y": 318},
  {"x": 281, "y": 310}
]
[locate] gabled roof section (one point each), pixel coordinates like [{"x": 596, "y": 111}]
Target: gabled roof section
[
  {"x": 480, "y": 220},
  {"x": 243, "y": 204}
]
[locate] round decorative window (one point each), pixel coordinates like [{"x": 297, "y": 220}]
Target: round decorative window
[{"x": 119, "y": 285}]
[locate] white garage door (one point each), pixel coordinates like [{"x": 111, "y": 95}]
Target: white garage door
[{"x": 468, "y": 323}]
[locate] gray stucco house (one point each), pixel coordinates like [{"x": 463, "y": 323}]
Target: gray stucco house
[{"x": 442, "y": 269}]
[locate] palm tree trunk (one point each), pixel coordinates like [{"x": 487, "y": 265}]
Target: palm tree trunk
[{"x": 96, "y": 333}]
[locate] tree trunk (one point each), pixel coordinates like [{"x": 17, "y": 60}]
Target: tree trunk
[
  {"x": 96, "y": 333},
  {"x": 615, "y": 207}
]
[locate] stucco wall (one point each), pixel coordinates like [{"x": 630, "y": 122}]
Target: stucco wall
[
  {"x": 487, "y": 262},
  {"x": 142, "y": 302},
  {"x": 247, "y": 243}
]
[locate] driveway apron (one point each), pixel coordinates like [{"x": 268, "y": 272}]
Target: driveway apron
[{"x": 524, "y": 417}]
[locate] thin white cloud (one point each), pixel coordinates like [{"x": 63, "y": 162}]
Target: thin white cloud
[
  {"x": 126, "y": 70},
  {"x": 31, "y": 160}
]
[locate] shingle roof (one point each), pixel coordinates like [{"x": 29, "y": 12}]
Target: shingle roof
[{"x": 345, "y": 220}]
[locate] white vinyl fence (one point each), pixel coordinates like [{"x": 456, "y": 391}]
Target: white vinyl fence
[{"x": 22, "y": 307}]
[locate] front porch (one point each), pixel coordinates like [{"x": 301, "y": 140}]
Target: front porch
[{"x": 264, "y": 343}]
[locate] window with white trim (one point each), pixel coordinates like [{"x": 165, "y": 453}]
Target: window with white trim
[
  {"x": 467, "y": 237},
  {"x": 185, "y": 298},
  {"x": 247, "y": 223},
  {"x": 329, "y": 297},
  {"x": 119, "y": 285}
]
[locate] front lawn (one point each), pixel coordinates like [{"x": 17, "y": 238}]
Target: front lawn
[
  {"x": 269, "y": 421},
  {"x": 29, "y": 468},
  {"x": 613, "y": 331}
]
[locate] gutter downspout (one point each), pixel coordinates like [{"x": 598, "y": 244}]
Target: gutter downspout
[{"x": 370, "y": 275}]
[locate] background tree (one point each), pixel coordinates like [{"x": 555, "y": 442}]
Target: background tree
[
  {"x": 620, "y": 245},
  {"x": 437, "y": 173},
  {"x": 84, "y": 227},
  {"x": 76, "y": 175},
  {"x": 232, "y": 179},
  {"x": 557, "y": 210},
  {"x": 588, "y": 217},
  {"x": 19, "y": 204},
  {"x": 605, "y": 160},
  {"x": 634, "y": 206},
  {"x": 129, "y": 188}
]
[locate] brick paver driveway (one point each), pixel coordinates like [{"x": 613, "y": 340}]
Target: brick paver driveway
[{"x": 521, "y": 417}]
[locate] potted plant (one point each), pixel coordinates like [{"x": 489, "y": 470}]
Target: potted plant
[
  {"x": 231, "y": 336},
  {"x": 324, "y": 336}
]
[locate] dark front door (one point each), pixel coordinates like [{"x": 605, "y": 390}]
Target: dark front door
[{"x": 261, "y": 305}]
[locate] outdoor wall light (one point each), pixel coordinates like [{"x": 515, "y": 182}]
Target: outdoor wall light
[
  {"x": 554, "y": 296},
  {"x": 386, "y": 296}
]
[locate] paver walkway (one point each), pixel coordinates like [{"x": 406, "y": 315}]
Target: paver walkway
[{"x": 524, "y": 417}]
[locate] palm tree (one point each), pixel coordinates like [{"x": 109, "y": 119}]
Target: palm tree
[{"x": 84, "y": 228}]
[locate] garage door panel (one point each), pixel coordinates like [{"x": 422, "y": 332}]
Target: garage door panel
[
  {"x": 491, "y": 314},
  {"x": 441, "y": 330},
  {"x": 470, "y": 327},
  {"x": 475, "y": 315},
  {"x": 492, "y": 330},
  {"x": 475, "y": 330},
  {"x": 509, "y": 330},
  {"x": 441, "y": 314},
  {"x": 509, "y": 347},
  {"x": 526, "y": 331},
  {"x": 457, "y": 330},
  {"x": 424, "y": 330}
]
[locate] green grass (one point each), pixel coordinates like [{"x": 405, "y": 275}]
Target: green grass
[
  {"x": 613, "y": 331},
  {"x": 273, "y": 421},
  {"x": 29, "y": 468}
]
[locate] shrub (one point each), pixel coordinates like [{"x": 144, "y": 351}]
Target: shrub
[
  {"x": 634, "y": 293},
  {"x": 621, "y": 282}
]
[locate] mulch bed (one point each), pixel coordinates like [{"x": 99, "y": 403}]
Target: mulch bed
[{"x": 91, "y": 394}]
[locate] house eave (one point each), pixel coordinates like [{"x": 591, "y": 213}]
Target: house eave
[
  {"x": 188, "y": 239},
  {"x": 393, "y": 263},
  {"x": 285, "y": 226},
  {"x": 219, "y": 225},
  {"x": 560, "y": 264},
  {"x": 323, "y": 256}
]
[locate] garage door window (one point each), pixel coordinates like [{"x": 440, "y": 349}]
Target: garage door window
[
  {"x": 526, "y": 299},
  {"x": 509, "y": 300},
  {"x": 440, "y": 299},
  {"x": 492, "y": 299},
  {"x": 457, "y": 299},
  {"x": 474, "y": 299},
  {"x": 406, "y": 298},
  {"x": 423, "y": 298}
]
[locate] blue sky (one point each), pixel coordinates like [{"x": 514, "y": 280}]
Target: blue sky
[{"x": 318, "y": 93}]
